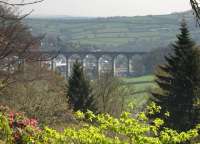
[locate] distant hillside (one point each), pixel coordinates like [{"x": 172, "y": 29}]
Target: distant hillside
[{"x": 140, "y": 33}]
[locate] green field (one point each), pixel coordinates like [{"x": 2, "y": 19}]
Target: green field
[
  {"x": 141, "y": 87},
  {"x": 139, "y": 33},
  {"x": 140, "y": 84},
  {"x": 148, "y": 78}
]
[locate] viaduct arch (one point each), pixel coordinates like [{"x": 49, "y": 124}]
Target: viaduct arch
[{"x": 98, "y": 56}]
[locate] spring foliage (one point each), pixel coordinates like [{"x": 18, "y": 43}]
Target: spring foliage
[{"x": 101, "y": 129}]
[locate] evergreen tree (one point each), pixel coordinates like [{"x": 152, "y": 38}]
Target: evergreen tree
[
  {"x": 179, "y": 83},
  {"x": 79, "y": 90}
]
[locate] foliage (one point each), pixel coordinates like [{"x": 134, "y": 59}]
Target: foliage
[
  {"x": 16, "y": 42},
  {"x": 15, "y": 126},
  {"x": 39, "y": 93},
  {"x": 111, "y": 95},
  {"x": 104, "y": 129},
  {"x": 25, "y": 86},
  {"x": 5, "y": 130},
  {"x": 79, "y": 90},
  {"x": 178, "y": 81}
]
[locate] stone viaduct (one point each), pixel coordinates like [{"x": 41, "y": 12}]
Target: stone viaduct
[{"x": 97, "y": 55}]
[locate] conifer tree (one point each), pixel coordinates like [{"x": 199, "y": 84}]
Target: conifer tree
[
  {"x": 79, "y": 90},
  {"x": 179, "y": 83}
]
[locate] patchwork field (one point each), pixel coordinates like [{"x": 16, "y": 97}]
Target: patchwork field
[{"x": 139, "y": 33}]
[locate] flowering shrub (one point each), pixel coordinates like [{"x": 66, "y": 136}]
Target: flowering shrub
[
  {"x": 16, "y": 126},
  {"x": 95, "y": 129},
  {"x": 19, "y": 120}
]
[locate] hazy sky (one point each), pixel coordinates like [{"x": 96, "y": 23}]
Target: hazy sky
[{"x": 109, "y": 7}]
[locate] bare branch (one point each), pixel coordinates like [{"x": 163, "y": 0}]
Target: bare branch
[
  {"x": 195, "y": 4},
  {"x": 20, "y": 4}
]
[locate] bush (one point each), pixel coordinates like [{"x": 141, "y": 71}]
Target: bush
[
  {"x": 111, "y": 95},
  {"x": 43, "y": 97},
  {"x": 100, "y": 129},
  {"x": 16, "y": 127}
]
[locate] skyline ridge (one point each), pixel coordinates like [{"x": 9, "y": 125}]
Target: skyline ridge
[{"x": 82, "y": 17}]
